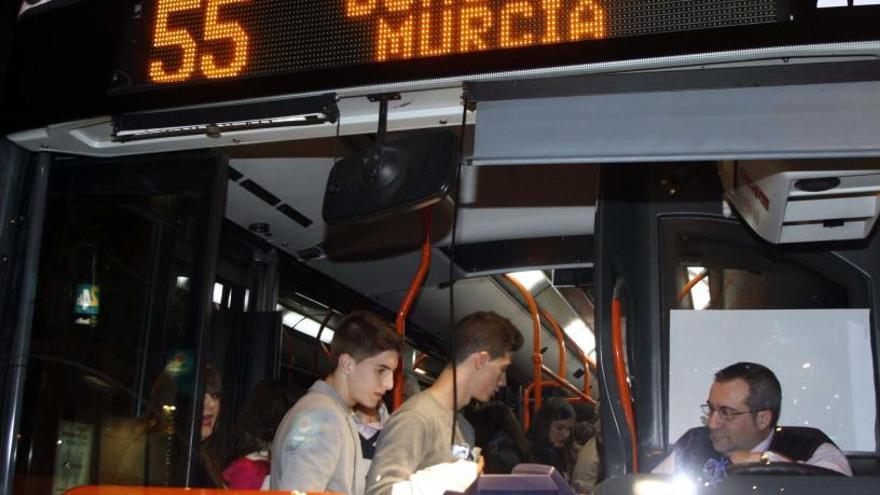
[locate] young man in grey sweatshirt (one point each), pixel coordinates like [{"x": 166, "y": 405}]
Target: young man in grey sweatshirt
[
  {"x": 418, "y": 435},
  {"x": 316, "y": 447}
]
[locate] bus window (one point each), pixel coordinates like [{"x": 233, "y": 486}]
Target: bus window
[
  {"x": 803, "y": 314},
  {"x": 111, "y": 378}
]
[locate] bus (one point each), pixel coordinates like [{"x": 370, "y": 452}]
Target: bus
[{"x": 195, "y": 192}]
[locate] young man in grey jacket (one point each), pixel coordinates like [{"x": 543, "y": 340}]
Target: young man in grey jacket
[
  {"x": 418, "y": 436},
  {"x": 316, "y": 447}
]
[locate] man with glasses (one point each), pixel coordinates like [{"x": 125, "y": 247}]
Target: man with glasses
[{"x": 740, "y": 416}]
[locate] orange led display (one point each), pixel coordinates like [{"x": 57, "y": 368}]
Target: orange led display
[
  {"x": 179, "y": 38},
  {"x": 436, "y": 40},
  {"x": 408, "y": 29},
  {"x": 475, "y": 23},
  {"x": 181, "y": 66},
  {"x": 229, "y": 31},
  {"x": 551, "y": 21},
  {"x": 182, "y": 41},
  {"x": 521, "y": 9},
  {"x": 357, "y": 8}
]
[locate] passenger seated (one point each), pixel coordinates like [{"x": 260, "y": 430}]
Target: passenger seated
[
  {"x": 585, "y": 475},
  {"x": 742, "y": 412},
  {"x": 499, "y": 435},
  {"x": 252, "y": 438},
  {"x": 208, "y": 474},
  {"x": 550, "y": 433},
  {"x": 155, "y": 444}
]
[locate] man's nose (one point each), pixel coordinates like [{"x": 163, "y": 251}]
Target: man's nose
[
  {"x": 388, "y": 381},
  {"x": 714, "y": 421},
  {"x": 502, "y": 380}
]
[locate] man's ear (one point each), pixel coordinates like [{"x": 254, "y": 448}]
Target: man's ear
[
  {"x": 763, "y": 418},
  {"x": 346, "y": 363},
  {"x": 480, "y": 359}
]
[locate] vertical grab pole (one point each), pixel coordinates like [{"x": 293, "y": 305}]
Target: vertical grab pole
[
  {"x": 408, "y": 300},
  {"x": 622, "y": 383},
  {"x": 526, "y": 417},
  {"x": 18, "y": 359},
  {"x": 537, "y": 358}
]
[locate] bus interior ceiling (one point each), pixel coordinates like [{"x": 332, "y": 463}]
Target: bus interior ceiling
[{"x": 510, "y": 219}]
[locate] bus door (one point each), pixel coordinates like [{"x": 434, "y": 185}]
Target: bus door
[{"x": 117, "y": 372}]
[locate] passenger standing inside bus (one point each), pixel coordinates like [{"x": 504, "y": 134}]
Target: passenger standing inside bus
[
  {"x": 414, "y": 447},
  {"x": 317, "y": 447},
  {"x": 549, "y": 435}
]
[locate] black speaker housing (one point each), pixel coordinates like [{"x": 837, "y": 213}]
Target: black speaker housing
[{"x": 392, "y": 178}]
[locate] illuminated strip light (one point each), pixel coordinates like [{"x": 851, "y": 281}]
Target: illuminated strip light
[
  {"x": 529, "y": 279},
  {"x": 215, "y": 120},
  {"x": 580, "y": 334},
  {"x": 215, "y": 130},
  {"x": 307, "y": 326},
  {"x": 218, "y": 293}
]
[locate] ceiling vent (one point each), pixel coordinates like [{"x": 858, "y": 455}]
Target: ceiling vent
[
  {"x": 315, "y": 252},
  {"x": 805, "y": 200}
]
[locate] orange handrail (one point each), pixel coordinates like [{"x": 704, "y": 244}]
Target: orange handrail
[
  {"x": 540, "y": 369},
  {"x": 408, "y": 300},
  {"x": 560, "y": 336},
  {"x": 526, "y": 417},
  {"x": 559, "y": 381},
  {"x": 537, "y": 358},
  {"x": 691, "y": 284},
  {"x": 560, "y": 339},
  {"x": 527, "y": 394},
  {"x": 620, "y": 373}
]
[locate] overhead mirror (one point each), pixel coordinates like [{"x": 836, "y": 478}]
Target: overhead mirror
[{"x": 392, "y": 177}]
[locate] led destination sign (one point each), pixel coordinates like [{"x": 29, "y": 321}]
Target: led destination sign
[{"x": 184, "y": 41}]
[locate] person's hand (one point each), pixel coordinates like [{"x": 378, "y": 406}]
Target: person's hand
[{"x": 744, "y": 457}]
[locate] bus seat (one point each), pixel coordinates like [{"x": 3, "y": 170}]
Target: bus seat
[{"x": 864, "y": 465}]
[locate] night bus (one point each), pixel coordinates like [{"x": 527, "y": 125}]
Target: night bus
[{"x": 649, "y": 189}]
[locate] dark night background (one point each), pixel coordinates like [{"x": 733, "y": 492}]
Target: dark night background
[{"x": 59, "y": 65}]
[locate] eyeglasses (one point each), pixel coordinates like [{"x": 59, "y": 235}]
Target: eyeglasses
[{"x": 726, "y": 413}]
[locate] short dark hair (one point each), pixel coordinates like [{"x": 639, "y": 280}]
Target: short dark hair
[
  {"x": 485, "y": 331},
  {"x": 764, "y": 389},
  {"x": 363, "y": 334}
]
